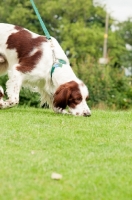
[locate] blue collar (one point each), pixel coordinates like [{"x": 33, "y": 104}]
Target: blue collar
[{"x": 57, "y": 64}]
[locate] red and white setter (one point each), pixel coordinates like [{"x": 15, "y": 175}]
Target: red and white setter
[{"x": 32, "y": 61}]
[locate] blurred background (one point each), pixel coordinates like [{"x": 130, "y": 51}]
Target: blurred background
[{"x": 97, "y": 38}]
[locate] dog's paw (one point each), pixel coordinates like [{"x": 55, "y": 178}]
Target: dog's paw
[
  {"x": 8, "y": 103},
  {"x": 60, "y": 110},
  {"x": 3, "y": 104}
]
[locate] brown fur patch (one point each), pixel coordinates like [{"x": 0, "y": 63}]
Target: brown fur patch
[
  {"x": 18, "y": 28},
  {"x": 24, "y": 44},
  {"x": 67, "y": 94},
  {"x": 28, "y": 63}
]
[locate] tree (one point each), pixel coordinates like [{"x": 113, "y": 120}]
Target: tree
[
  {"x": 18, "y": 12},
  {"x": 79, "y": 27},
  {"x": 125, "y": 32}
]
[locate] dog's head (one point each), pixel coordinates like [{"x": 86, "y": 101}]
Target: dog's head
[{"x": 74, "y": 96}]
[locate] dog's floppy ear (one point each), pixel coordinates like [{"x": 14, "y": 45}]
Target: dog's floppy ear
[{"x": 61, "y": 97}]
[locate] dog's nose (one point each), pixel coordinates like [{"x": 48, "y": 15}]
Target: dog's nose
[{"x": 86, "y": 114}]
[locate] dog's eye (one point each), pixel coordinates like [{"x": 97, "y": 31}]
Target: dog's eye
[{"x": 78, "y": 99}]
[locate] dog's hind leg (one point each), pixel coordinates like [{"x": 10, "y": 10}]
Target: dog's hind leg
[{"x": 13, "y": 86}]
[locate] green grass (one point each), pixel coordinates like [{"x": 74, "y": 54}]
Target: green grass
[{"x": 94, "y": 155}]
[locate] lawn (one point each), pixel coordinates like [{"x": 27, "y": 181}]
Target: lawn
[{"x": 94, "y": 155}]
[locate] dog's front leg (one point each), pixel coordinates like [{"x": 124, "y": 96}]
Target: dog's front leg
[{"x": 13, "y": 86}]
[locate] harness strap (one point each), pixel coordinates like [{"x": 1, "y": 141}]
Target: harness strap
[{"x": 57, "y": 64}]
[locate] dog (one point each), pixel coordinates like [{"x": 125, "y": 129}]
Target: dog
[{"x": 33, "y": 61}]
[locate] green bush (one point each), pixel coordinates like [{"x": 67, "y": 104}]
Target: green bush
[{"x": 108, "y": 86}]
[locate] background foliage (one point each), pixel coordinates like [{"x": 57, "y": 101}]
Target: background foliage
[{"x": 79, "y": 27}]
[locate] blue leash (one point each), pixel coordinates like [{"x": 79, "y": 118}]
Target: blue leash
[
  {"x": 60, "y": 61},
  {"x": 41, "y": 21}
]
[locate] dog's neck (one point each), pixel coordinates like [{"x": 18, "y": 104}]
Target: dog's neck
[{"x": 60, "y": 76}]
